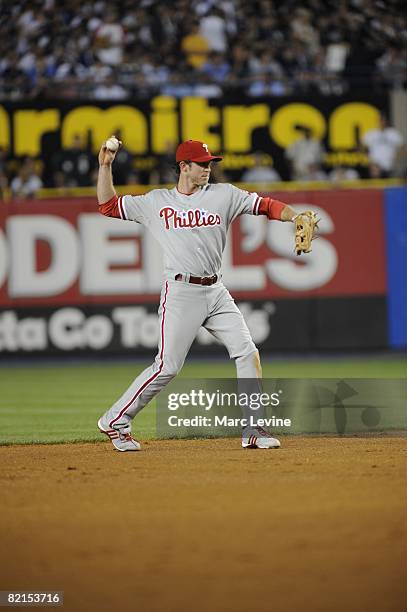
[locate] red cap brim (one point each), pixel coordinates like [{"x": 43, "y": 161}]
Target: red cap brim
[{"x": 205, "y": 158}]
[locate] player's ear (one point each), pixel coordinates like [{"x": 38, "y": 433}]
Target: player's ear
[{"x": 183, "y": 165}]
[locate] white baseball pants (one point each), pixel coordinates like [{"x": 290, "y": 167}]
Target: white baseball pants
[{"x": 184, "y": 308}]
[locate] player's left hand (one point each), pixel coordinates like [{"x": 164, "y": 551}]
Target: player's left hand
[{"x": 306, "y": 224}]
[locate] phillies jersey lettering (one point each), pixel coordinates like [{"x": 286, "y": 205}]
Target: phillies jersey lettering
[
  {"x": 188, "y": 218},
  {"x": 204, "y": 218}
]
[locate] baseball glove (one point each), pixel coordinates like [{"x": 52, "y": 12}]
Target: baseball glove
[{"x": 305, "y": 225}]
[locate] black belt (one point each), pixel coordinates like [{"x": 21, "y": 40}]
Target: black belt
[{"x": 197, "y": 280}]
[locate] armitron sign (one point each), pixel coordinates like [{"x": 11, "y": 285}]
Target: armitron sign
[{"x": 235, "y": 127}]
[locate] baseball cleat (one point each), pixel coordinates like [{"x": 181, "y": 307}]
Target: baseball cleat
[
  {"x": 121, "y": 440},
  {"x": 257, "y": 437}
]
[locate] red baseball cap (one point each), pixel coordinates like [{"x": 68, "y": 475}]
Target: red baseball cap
[{"x": 196, "y": 151}]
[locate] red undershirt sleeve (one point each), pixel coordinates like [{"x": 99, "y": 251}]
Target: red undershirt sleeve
[
  {"x": 271, "y": 208},
  {"x": 110, "y": 208}
]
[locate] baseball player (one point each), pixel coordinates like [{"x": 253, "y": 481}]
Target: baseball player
[{"x": 190, "y": 221}]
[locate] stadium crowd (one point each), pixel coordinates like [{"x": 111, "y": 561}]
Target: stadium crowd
[
  {"x": 101, "y": 50},
  {"x": 82, "y": 50}
]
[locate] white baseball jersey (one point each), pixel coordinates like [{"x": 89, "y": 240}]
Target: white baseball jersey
[{"x": 191, "y": 228}]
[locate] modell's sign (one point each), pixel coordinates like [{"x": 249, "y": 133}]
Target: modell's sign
[
  {"x": 65, "y": 252},
  {"x": 72, "y": 280}
]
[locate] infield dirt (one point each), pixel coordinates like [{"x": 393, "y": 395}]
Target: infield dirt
[{"x": 203, "y": 525}]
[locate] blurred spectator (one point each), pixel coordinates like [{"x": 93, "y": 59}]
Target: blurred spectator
[
  {"x": 165, "y": 28},
  {"x": 110, "y": 90},
  {"x": 109, "y": 39},
  {"x": 14, "y": 82},
  {"x": 303, "y": 29},
  {"x": 27, "y": 182},
  {"x": 341, "y": 173},
  {"x": 382, "y": 145},
  {"x": 392, "y": 66},
  {"x": 326, "y": 72},
  {"x": 73, "y": 166},
  {"x": 217, "y": 68},
  {"x": 195, "y": 46},
  {"x": 305, "y": 156},
  {"x": 155, "y": 73},
  {"x": 266, "y": 64},
  {"x": 335, "y": 57},
  {"x": 239, "y": 66},
  {"x": 206, "y": 88},
  {"x": 142, "y": 88},
  {"x": 213, "y": 28},
  {"x": 176, "y": 87},
  {"x": 267, "y": 76},
  {"x": 261, "y": 85},
  {"x": 260, "y": 172},
  {"x": 99, "y": 72},
  {"x": 315, "y": 173}
]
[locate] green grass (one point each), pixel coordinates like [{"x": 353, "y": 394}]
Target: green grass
[{"x": 62, "y": 403}]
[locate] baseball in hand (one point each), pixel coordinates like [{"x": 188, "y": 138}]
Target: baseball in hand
[{"x": 112, "y": 144}]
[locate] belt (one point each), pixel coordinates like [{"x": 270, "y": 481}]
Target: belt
[{"x": 197, "y": 280}]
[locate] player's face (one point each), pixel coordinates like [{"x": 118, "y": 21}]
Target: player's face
[{"x": 199, "y": 172}]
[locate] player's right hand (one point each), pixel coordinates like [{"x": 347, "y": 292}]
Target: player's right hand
[{"x": 106, "y": 156}]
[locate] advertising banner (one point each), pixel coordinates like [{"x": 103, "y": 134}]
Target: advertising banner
[
  {"x": 71, "y": 279},
  {"x": 236, "y": 126},
  {"x": 65, "y": 252},
  {"x": 275, "y": 325}
]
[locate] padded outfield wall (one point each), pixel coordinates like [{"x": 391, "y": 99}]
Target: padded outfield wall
[{"x": 72, "y": 281}]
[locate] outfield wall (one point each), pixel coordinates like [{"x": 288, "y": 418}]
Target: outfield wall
[{"x": 72, "y": 281}]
